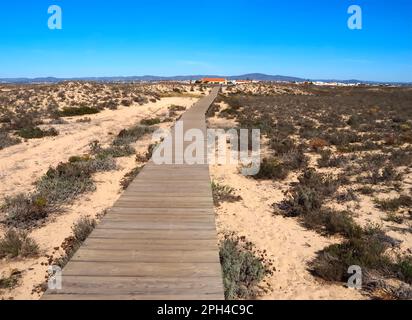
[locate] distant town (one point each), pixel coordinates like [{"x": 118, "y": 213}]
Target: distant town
[{"x": 208, "y": 79}]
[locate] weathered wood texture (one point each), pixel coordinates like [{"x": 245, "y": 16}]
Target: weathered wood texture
[{"x": 158, "y": 241}]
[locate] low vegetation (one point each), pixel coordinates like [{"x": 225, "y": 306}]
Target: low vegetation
[
  {"x": 68, "y": 180},
  {"x": 369, "y": 251},
  {"x": 25, "y": 210},
  {"x": 17, "y": 244},
  {"x": 347, "y": 146},
  {"x": 65, "y": 182},
  {"x": 121, "y": 145},
  {"x": 272, "y": 168},
  {"x": 150, "y": 122},
  {"x": 37, "y": 133},
  {"x": 10, "y": 281},
  {"x": 114, "y": 151},
  {"x": 77, "y": 111},
  {"x": 129, "y": 177},
  {"x": 243, "y": 267},
  {"x": 58, "y": 186},
  {"x": 395, "y": 204},
  {"x": 149, "y": 153},
  {"x": 6, "y": 140},
  {"x": 174, "y": 109},
  {"x": 81, "y": 231},
  {"x": 223, "y": 193}
]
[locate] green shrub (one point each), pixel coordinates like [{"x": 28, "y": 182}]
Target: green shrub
[
  {"x": 386, "y": 175},
  {"x": 281, "y": 146},
  {"x": 301, "y": 201},
  {"x": 37, "y": 133},
  {"x": 223, "y": 193},
  {"x": 150, "y": 150},
  {"x": 68, "y": 180},
  {"x": 325, "y": 185},
  {"x": 150, "y": 122},
  {"x": 394, "y": 204},
  {"x": 348, "y": 195},
  {"x": 295, "y": 159},
  {"x": 117, "y": 151},
  {"x": 26, "y": 210},
  {"x": 393, "y": 217},
  {"x": 367, "y": 251},
  {"x": 84, "y": 120},
  {"x": 81, "y": 231},
  {"x": 342, "y": 223},
  {"x": 127, "y": 136},
  {"x": 17, "y": 244},
  {"x": 306, "y": 199},
  {"x": 83, "y": 228},
  {"x": 404, "y": 268},
  {"x": 366, "y": 190},
  {"x": 141, "y": 100},
  {"x": 214, "y": 108},
  {"x": 177, "y": 108},
  {"x": 342, "y": 137},
  {"x": 272, "y": 168},
  {"x": 101, "y": 164},
  {"x": 77, "y": 111},
  {"x": 11, "y": 281},
  {"x": 401, "y": 157},
  {"x": 126, "y": 102},
  {"x": 65, "y": 182},
  {"x": 328, "y": 160},
  {"x": 129, "y": 177},
  {"x": 234, "y": 102},
  {"x": 7, "y": 141},
  {"x": 243, "y": 268},
  {"x": 25, "y": 116}
]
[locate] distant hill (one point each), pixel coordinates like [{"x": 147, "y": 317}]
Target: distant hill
[
  {"x": 265, "y": 77},
  {"x": 250, "y": 76}
]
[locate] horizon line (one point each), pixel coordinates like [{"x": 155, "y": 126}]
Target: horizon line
[{"x": 195, "y": 75}]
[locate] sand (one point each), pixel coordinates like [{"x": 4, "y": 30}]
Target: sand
[
  {"x": 289, "y": 245},
  {"x": 286, "y": 242},
  {"x": 23, "y": 164}
]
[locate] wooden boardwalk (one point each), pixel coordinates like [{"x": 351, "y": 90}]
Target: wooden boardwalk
[{"x": 159, "y": 240}]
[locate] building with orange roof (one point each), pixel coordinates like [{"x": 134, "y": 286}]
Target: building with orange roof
[{"x": 214, "y": 81}]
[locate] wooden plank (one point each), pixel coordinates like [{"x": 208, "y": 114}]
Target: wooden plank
[
  {"x": 209, "y": 234},
  {"x": 177, "y": 225},
  {"x": 138, "y": 269},
  {"x": 195, "y": 218},
  {"x": 150, "y": 244},
  {"x": 159, "y": 239},
  {"x": 135, "y": 255},
  {"x": 159, "y": 204},
  {"x": 167, "y": 297},
  {"x": 161, "y": 211},
  {"x": 139, "y": 286},
  {"x": 165, "y": 198}
]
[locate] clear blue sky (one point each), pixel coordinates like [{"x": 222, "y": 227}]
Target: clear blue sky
[{"x": 304, "y": 38}]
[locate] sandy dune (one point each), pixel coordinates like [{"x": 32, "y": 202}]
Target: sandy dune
[
  {"x": 287, "y": 243},
  {"x": 23, "y": 164}
]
